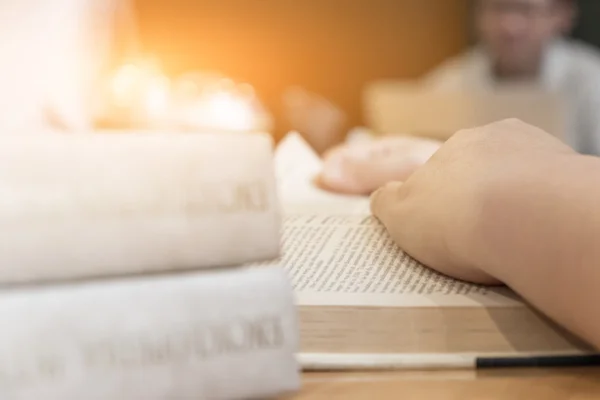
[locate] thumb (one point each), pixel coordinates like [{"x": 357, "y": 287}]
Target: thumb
[{"x": 386, "y": 201}]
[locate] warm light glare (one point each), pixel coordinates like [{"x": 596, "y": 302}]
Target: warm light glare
[
  {"x": 224, "y": 110},
  {"x": 157, "y": 98},
  {"x": 124, "y": 85},
  {"x": 200, "y": 102}
]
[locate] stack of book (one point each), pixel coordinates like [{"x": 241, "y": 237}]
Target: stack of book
[{"x": 121, "y": 269}]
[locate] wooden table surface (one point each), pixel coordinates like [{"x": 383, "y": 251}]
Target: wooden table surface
[{"x": 574, "y": 384}]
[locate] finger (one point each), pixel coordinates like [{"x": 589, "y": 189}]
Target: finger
[
  {"x": 336, "y": 176},
  {"x": 340, "y": 186},
  {"x": 373, "y": 174},
  {"x": 363, "y": 176},
  {"x": 349, "y": 170},
  {"x": 385, "y": 200}
]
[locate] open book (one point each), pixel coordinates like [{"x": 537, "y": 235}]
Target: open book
[{"x": 360, "y": 294}]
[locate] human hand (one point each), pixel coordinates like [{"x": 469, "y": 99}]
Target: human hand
[
  {"x": 361, "y": 168},
  {"x": 448, "y": 212}
]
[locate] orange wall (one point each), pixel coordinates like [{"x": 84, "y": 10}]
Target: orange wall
[{"x": 329, "y": 46}]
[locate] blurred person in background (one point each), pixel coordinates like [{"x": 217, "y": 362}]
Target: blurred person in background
[
  {"x": 524, "y": 41},
  {"x": 52, "y": 57},
  {"x": 519, "y": 42}
]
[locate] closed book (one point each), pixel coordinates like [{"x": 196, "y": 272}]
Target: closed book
[
  {"x": 91, "y": 205},
  {"x": 226, "y": 334}
]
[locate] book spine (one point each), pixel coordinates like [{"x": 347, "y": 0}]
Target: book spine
[
  {"x": 101, "y": 205},
  {"x": 228, "y": 334}
]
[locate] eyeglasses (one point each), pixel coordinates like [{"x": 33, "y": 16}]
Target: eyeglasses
[{"x": 522, "y": 8}]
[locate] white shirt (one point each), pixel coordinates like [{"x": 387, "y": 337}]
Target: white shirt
[{"x": 570, "y": 69}]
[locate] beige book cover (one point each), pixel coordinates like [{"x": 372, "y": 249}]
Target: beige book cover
[
  {"x": 359, "y": 294},
  {"x": 88, "y": 205}
]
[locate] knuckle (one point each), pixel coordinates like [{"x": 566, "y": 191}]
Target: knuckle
[
  {"x": 384, "y": 200},
  {"x": 513, "y": 125},
  {"x": 392, "y": 186},
  {"x": 512, "y": 122},
  {"x": 467, "y": 138},
  {"x": 464, "y": 134}
]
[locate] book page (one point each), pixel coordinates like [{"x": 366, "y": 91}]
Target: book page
[
  {"x": 350, "y": 260},
  {"x": 297, "y": 166}
]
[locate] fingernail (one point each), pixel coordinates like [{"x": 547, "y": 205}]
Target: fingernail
[{"x": 357, "y": 153}]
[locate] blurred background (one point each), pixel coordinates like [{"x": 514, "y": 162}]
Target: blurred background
[
  {"x": 301, "y": 64},
  {"x": 329, "y": 47}
]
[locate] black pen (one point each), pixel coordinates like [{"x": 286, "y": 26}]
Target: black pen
[{"x": 358, "y": 361}]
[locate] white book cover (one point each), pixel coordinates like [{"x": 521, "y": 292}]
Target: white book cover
[
  {"x": 223, "y": 334},
  {"x": 108, "y": 204}
]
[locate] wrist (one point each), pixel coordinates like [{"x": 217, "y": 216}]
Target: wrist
[{"x": 531, "y": 215}]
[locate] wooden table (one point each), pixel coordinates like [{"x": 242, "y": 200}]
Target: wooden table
[{"x": 574, "y": 384}]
